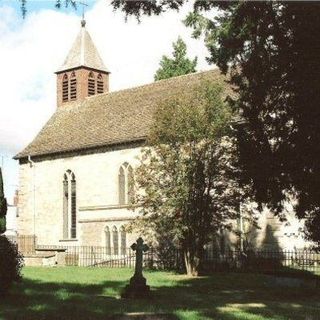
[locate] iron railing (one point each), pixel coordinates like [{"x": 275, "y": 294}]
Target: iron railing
[
  {"x": 26, "y": 243},
  {"x": 96, "y": 256},
  {"x": 172, "y": 258},
  {"x": 264, "y": 260}
]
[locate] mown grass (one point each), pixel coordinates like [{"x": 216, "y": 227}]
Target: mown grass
[{"x": 93, "y": 293}]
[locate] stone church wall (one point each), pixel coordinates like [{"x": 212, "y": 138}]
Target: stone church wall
[
  {"x": 41, "y": 197},
  {"x": 269, "y": 233},
  {"x": 41, "y": 204}
]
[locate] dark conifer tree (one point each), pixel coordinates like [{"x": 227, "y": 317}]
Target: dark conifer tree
[{"x": 3, "y": 206}]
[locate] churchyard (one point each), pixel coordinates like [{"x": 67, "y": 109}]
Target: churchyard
[
  {"x": 268, "y": 285},
  {"x": 189, "y": 195},
  {"x": 94, "y": 293}
]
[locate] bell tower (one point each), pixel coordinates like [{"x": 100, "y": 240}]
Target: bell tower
[{"x": 83, "y": 73}]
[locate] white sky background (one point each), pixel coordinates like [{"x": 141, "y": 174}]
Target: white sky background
[{"x": 32, "y": 49}]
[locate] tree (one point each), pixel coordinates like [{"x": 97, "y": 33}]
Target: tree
[
  {"x": 177, "y": 66},
  {"x": 58, "y": 4},
  {"x": 270, "y": 50},
  {"x": 3, "y": 206},
  {"x": 188, "y": 174}
]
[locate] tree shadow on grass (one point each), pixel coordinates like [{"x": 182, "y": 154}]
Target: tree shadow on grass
[
  {"x": 246, "y": 296},
  {"x": 33, "y": 299},
  {"x": 222, "y": 297}
]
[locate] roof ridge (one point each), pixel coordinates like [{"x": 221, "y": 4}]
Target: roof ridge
[
  {"x": 76, "y": 104},
  {"x": 152, "y": 83}
]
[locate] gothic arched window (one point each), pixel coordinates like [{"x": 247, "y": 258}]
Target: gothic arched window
[
  {"x": 65, "y": 207},
  {"x": 115, "y": 238},
  {"x": 100, "y": 84},
  {"x": 122, "y": 186},
  {"x": 126, "y": 180},
  {"x": 73, "y": 86},
  {"x": 65, "y": 88},
  {"x": 69, "y": 206},
  {"x": 123, "y": 237},
  {"x": 91, "y": 84},
  {"x": 108, "y": 240},
  {"x": 130, "y": 182}
]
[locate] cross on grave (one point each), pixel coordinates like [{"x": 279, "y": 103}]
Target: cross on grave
[
  {"x": 137, "y": 288},
  {"x": 140, "y": 248}
]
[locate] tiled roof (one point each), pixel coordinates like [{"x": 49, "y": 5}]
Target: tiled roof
[
  {"x": 111, "y": 118},
  {"x": 83, "y": 53}
]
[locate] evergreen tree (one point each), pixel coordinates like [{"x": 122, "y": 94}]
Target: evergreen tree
[
  {"x": 270, "y": 50},
  {"x": 178, "y": 65},
  {"x": 3, "y": 206}
]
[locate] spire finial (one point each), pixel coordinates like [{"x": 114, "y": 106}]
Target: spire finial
[{"x": 83, "y": 21}]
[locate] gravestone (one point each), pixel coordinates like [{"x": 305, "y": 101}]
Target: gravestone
[{"x": 137, "y": 288}]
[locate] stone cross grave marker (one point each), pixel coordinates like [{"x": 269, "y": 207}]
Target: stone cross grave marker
[
  {"x": 137, "y": 288},
  {"x": 139, "y": 247}
]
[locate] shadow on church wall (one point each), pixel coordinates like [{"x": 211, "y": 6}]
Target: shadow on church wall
[{"x": 261, "y": 250}]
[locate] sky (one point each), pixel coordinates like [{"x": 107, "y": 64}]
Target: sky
[{"x": 32, "y": 49}]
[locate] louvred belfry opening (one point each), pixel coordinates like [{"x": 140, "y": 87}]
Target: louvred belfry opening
[
  {"x": 100, "y": 85},
  {"x": 73, "y": 86},
  {"x": 91, "y": 84},
  {"x": 83, "y": 73},
  {"x": 65, "y": 88}
]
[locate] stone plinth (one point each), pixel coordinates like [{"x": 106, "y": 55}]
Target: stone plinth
[
  {"x": 137, "y": 288},
  {"x": 40, "y": 260}
]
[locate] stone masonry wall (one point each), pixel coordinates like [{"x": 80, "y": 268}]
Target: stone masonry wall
[
  {"x": 41, "y": 204},
  {"x": 41, "y": 197}
]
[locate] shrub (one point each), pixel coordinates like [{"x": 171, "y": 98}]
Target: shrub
[{"x": 11, "y": 263}]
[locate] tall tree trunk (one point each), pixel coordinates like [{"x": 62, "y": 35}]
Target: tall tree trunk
[
  {"x": 193, "y": 257},
  {"x": 191, "y": 263}
]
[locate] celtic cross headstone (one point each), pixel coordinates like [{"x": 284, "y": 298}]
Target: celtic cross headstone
[
  {"x": 140, "y": 247},
  {"x": 137, "y": 288}
]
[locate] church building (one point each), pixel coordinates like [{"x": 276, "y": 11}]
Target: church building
[{"x": 75, "y": 175}]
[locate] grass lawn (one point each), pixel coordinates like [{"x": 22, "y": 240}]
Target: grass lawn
[{"x": 93, "y": 293}]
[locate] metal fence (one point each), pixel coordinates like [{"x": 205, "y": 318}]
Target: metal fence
[
  {"x": 259, "y": 260},
  {"x": 92, "y": 256},
  {"x": 95, "y": 256},
  {"x": 26, "y": 243},
  {"x": 172, "y": 258},
  {"x": 264, "y": 260}
]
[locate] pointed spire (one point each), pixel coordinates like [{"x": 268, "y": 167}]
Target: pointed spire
[{"x": 83, "y": 53}]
